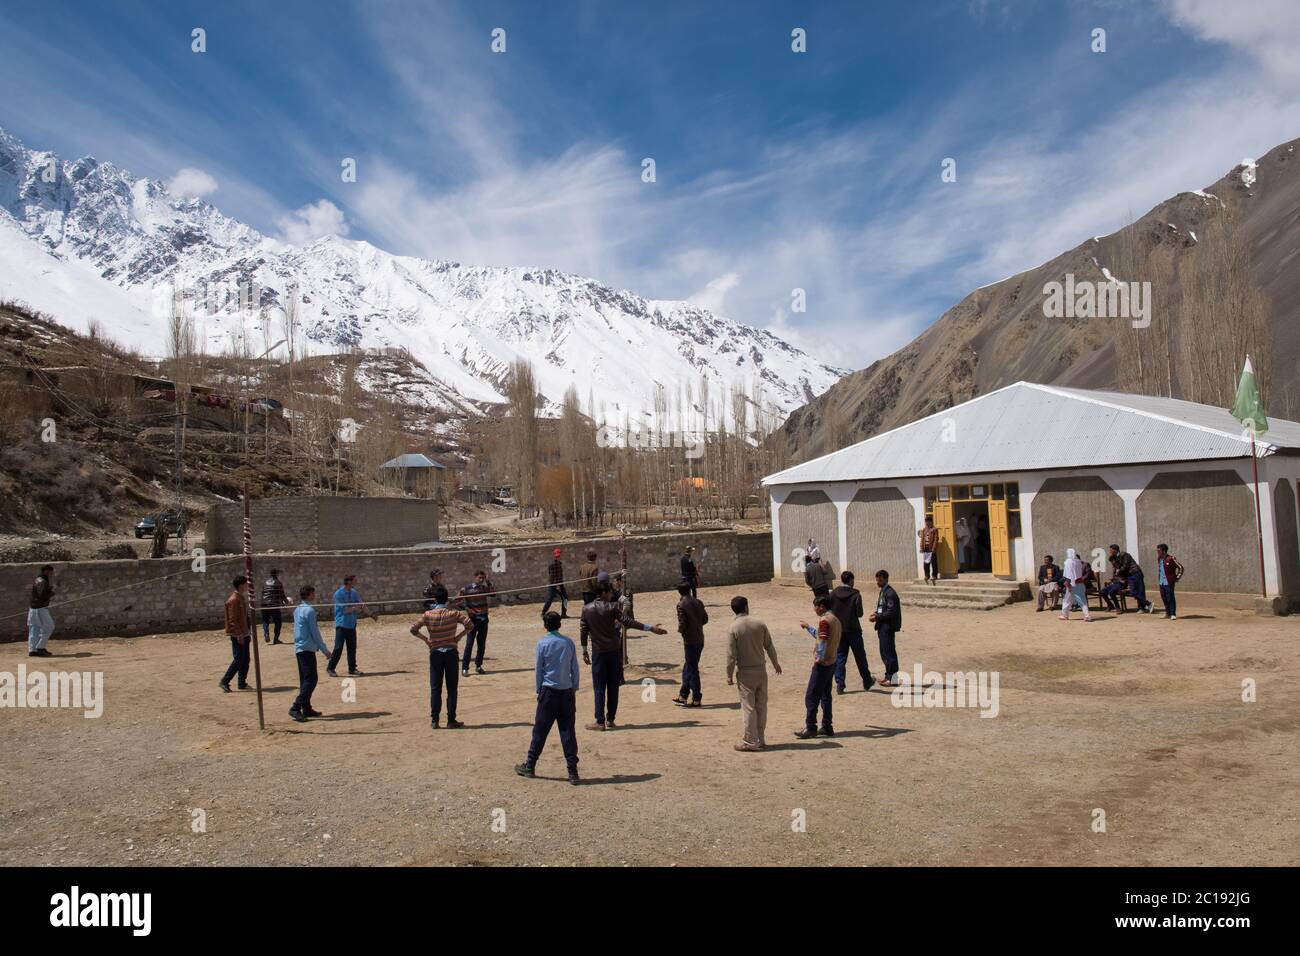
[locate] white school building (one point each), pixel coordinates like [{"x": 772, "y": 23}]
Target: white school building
[{"x": 1035, "y": 469}]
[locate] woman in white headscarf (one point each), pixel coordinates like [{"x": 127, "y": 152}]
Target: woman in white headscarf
[{"x": 1076, "y": 585}]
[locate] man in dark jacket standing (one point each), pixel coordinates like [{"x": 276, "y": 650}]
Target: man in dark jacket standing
[
  {"x": 431, "y": 589},
  {"x": 601, "y": 620},
  {"x": 690, "y": 573},
  {"x": 474, "y": 599},
  {"x": 691, "y": 618},
  {"x": 888, "y": 619},
  {"x": 40, "y": 625},
  {"x": 846, "y": 605},
  {"x": 555, "y": 585},
  {"x": 273, "y": 599}
]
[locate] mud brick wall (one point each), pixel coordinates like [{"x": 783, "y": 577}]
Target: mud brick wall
[
  {"x": 108, "y": 598},
  {"x": 324, "y": 524}
]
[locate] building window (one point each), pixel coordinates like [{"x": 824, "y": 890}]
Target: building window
[{"x": 1013, "y": 508}]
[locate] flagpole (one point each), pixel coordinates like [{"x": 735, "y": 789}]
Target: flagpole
[{"x": 1259, "y": 526}]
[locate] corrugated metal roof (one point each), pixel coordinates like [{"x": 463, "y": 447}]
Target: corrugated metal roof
[
  {"x": 411, "y": 460},
  {"x": 1026, "y": 426}
]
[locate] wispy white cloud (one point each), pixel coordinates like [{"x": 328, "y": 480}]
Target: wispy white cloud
[
  {"x": 313, "y": 221},
  {"x": 1266, "y": 30},
  {"x": 714, "y": 295},
  {"x": 192, "y": 183}
]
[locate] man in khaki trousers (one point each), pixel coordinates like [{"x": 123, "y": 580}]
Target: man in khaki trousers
[{"x": 747, "y": 642}]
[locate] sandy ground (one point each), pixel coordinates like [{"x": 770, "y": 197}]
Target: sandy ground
[{"x": 1137, "y": 716}]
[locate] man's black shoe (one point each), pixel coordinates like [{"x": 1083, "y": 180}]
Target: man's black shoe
[
  {"x": 839, "y": 690},
  {"x": 453, "y": 724},
  {"x": 313, "y": 713},
  {"x": 433, "y": 724},
  {"x": 245, "y": 686},
  {"x": 464, "y": 672},
  {"x": 298, "y": 716},
  {"x": 225, "y": 687},
  {"x": 806, "y": 733},
  {"x": 524, "y": 770},
  {"x": 574, "y": 778},
  {"x": 827, "y": 732},
  {"x": 353, "y": 673},
  {"x": 479, "y": 670},
  {"x": 330, "y": 671}
]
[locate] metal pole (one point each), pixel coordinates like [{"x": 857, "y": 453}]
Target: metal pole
[
  {"x": 1259, "y": 526},
  {"x": 622, "y": 563},
  {"x": 252, "y": 637}
]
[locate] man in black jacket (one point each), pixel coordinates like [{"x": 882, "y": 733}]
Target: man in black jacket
[
  {"x": 473, "y": 599},
  {"x": 690, "y": 573},
  {"x": 40, "y": 625},
  {"x": 691, "y": 618},
  {"x": 1127, "y": 572},
  {"x": 555, "y": 585},
  {"x": 816, "y": 577},
  {"x": 846, "y": 604},
  {"x": 273, "y": 599},
  {"x": 888, "y": 618},
  {"x": 601, "y": 620},
  {"x": 431, "y": 589}
]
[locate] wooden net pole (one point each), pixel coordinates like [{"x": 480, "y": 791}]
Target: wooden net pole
[{"x": 252, "y": 637}]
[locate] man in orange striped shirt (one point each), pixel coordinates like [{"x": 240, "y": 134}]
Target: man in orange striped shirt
[{"x": 441, "y": 622}]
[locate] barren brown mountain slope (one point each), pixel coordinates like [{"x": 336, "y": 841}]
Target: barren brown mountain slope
[{"x": 998, "y": 334}]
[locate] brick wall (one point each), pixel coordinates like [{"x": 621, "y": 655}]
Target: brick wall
[
  {"x": 324, "y": 524},
  {"x": 166, "y": 595}
]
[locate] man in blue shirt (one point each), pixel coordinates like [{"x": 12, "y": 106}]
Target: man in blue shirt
[
  {"x": 306, "y": 642},
  {"x": 347, "y": 604},
  {"x": 557, "y": 689}
]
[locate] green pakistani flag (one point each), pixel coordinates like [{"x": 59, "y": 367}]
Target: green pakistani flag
[{"x": 1248, "y": 409}]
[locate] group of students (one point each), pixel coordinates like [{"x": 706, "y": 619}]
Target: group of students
[
  {"x": 845, "y": 601},
  {"x": 348, "y": 606},
  {"x": 605, "y": 619},
  {"x": 1072, "y": 581}
]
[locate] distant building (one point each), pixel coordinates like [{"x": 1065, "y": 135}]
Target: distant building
[
  {"x": 415, "y": 474},
  {"x": 1038, "y": 469}
]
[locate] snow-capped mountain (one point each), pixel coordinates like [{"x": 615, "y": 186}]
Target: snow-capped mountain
[{"x": 85, "y": 241}]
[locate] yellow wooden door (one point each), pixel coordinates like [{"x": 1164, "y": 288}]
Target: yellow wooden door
[
  {"x": 999, "y": 541},
  {"x": 947, "y": 554}
]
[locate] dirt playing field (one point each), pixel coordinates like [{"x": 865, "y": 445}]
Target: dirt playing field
[{"x": 1136, "y": 716}]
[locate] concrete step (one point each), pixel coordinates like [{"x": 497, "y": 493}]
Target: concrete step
[
  {"x": 959, "y": 605},
  {"x": 977, "y": 594}
]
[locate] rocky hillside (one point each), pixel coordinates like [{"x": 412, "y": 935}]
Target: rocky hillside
[{"x": 998, "y": 334}]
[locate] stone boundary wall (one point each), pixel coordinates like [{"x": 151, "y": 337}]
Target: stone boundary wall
[
  {"x": 111, "y": 598},
  {"x": 323, "y": 523}
]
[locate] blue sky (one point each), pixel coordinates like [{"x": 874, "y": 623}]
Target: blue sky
[{"x": 775, "y": 170}]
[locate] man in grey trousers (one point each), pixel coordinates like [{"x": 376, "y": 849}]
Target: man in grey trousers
[{"x": 747, "y": 643}]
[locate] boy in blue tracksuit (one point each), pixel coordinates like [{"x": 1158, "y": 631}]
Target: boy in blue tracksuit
[
  {"x": 306, "y": 642},
  {"x": 557, "y": 689},
  {"x": 347, "y": 604}
]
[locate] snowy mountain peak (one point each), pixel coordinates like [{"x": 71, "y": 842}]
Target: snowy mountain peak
[{"x": 85, "y": 240}]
